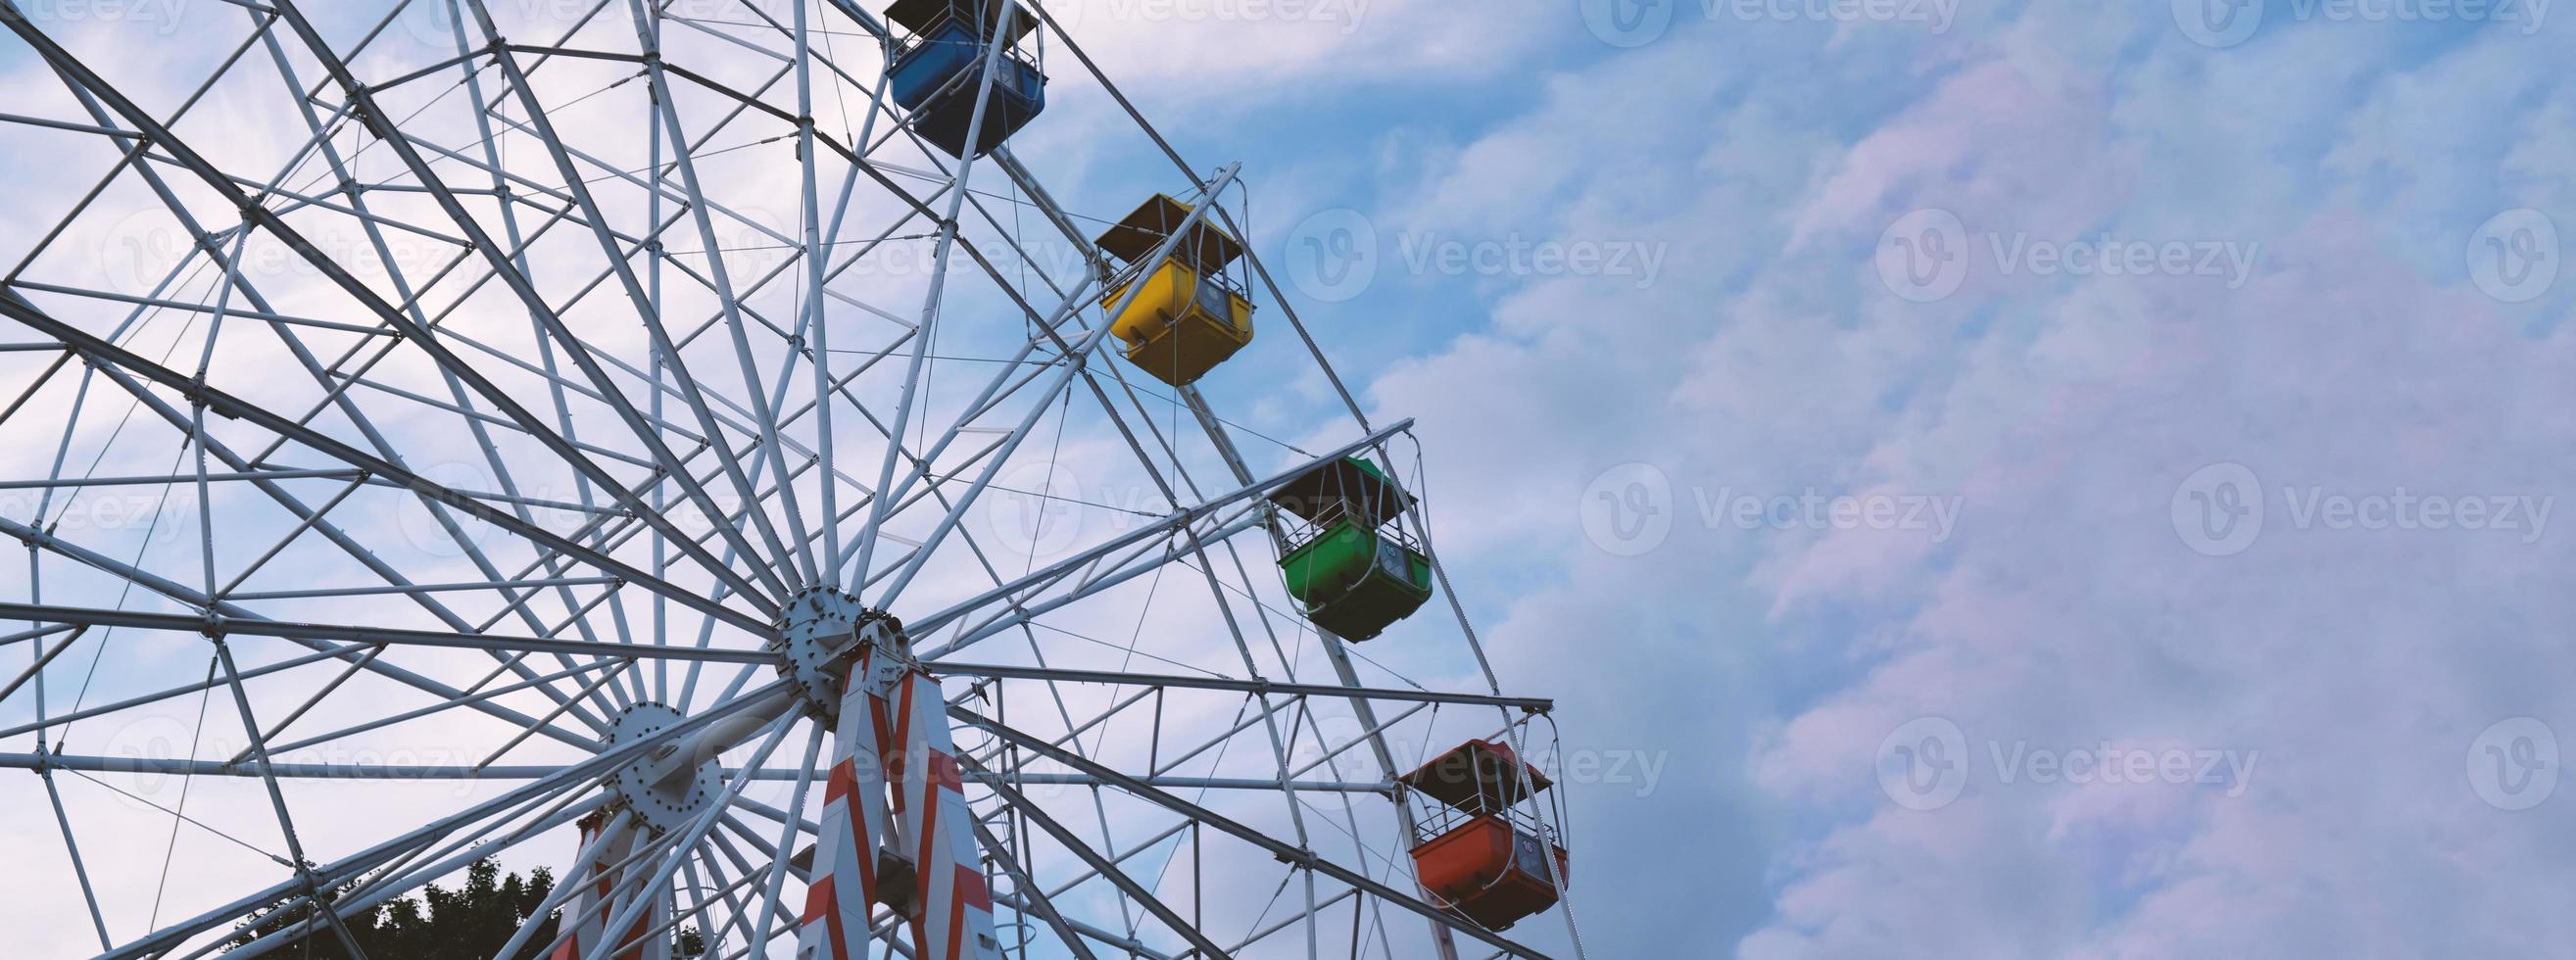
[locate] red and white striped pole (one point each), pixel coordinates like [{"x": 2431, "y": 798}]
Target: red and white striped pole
[{"x": 909, "y": 801}]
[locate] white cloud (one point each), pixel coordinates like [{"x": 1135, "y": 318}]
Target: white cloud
[
  {"x": 2066, "y": 612},
  {"x": 1767, "y": 664}
]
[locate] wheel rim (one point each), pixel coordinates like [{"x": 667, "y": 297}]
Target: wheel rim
[{"x": 479, "y": 394}]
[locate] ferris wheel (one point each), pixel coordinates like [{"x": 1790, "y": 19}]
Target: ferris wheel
[{"x": 682, "y": 446}]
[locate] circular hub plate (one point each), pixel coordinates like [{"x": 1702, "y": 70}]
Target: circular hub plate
[
  {"x": 817, "y": 632},
  {"x": 663, "y": 808}
]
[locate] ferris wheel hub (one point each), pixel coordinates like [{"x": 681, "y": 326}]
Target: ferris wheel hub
[
  {"x": 820, "y": 630},
  {"x": 663, "y": 796}
]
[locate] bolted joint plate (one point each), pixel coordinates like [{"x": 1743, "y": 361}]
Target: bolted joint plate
[
  {"x": 820, "y": 631},
  {"x": 669, "y": 805}
]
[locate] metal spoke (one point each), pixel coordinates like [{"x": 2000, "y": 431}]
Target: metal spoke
[{"x": 546, "y": 407}]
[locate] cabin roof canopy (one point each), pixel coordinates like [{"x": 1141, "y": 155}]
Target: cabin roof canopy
[
  {"x": 1351, "y": 484},
  {"x": 1207, "y": 248},
  {"x": 1477, "y": 776},
  {"x": 918, "y": 16}
]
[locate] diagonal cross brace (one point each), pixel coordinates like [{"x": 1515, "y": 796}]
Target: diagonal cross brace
[
  {"x": 17, "y": 308},
  {"x": 421, "y": 336},
  {"x": 1285, "y": 852}
]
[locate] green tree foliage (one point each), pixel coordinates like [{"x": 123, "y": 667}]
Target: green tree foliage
[{"x": 471, "y": 922}]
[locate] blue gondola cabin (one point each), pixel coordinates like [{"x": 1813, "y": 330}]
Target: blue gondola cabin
[{"x": 942, "y": 55}]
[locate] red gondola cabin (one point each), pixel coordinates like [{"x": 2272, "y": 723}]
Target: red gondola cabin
[{"x": 1485, "y": 859}]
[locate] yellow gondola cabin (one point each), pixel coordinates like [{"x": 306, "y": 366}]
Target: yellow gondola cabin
[{"x": 1189, "y": 315}]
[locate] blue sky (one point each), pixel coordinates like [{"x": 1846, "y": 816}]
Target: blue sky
[
  {"x": 1786, "y": 421},
  {"x": 2332, "y": 179}
]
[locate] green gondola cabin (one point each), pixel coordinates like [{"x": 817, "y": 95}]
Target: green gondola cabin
[{"x": 1352, "y": 564}]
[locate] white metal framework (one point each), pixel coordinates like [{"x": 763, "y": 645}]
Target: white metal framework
[{"x": 620, "y": 395}]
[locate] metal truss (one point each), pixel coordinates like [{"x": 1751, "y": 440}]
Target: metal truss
[{"x": 517, "y": 398}]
